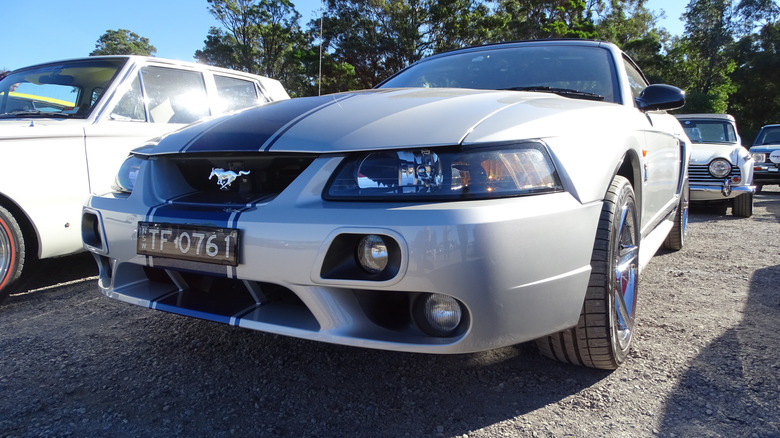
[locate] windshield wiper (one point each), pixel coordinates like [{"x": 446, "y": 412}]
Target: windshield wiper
[
  {"x": 34, "y": 114},
  {"x": 566, "y": 92}
]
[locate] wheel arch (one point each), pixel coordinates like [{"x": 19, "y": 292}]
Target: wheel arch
[
  {"x": 30, "y": 234},
  {"x": 630, "y": 168}
]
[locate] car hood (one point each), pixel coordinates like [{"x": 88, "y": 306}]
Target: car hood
[
  {"x": 703, "y": 153},
  {"x": 374, "y": 119},
  {"x": 766, "y": 148}
]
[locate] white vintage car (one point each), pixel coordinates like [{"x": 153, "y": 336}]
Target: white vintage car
[
  {"x": 477, "y": 199},
  {"x": 721, "y": 169},
  {"x": 66, "y": 127}
]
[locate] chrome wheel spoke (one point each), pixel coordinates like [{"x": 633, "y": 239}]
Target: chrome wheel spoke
[{"x": 625, "y": 276}]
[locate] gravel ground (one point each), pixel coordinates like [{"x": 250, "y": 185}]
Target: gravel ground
[{"x": 705, "y": 363}]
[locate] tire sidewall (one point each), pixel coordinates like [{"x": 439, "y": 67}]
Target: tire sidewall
[
  {"x": 625, "y": 198},
  {"x": 13, "y": 257}
]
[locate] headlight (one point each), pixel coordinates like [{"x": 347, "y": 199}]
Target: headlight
[
  {"x": 446, "y": 173},
  {"x": 720, "y": 168},
  {"x": 759, "y": 157},
  {"x": 125, "y": 178}
]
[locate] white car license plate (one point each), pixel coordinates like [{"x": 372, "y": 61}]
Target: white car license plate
[{"x": 188, "y": 242}]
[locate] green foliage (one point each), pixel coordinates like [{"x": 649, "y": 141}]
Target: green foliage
[
  {"x": 122, "y": 42},
  {"x": 726, "y": 60},
  {"x": 258, "y": 37},
  {"x": 757, "y": 100}
]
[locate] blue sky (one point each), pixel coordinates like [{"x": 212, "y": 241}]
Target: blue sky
[{"x": 48, "y": 30}]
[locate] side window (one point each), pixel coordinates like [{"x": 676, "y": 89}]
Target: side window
[
  {"x": 131, "y": 105},
  {"x": 234, "y": 94},
  {"x": 174, "y": 96},
  {"x": 635, "y": 79}
]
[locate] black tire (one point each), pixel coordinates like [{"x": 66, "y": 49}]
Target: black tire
[
  {"x": 675, "y": 240},
  {"x": 11, "y": 252},
  {"x": 742, "y": 205},
  {"x": 604, "y": 332}
]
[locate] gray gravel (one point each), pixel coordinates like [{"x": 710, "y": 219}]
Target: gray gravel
[{"x": 705, "y": 364}]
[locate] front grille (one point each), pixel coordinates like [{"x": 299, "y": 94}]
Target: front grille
[
  {"x": 260, "y": 176},
  {"x": 700, "y": 174}
]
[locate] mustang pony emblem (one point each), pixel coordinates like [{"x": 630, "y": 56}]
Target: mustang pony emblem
[{"x": 226, "y": 177}]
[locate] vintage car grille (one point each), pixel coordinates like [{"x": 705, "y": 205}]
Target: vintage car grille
[
  {"x": 700, "y": 174},
  {"x": 268, "y": 175}
]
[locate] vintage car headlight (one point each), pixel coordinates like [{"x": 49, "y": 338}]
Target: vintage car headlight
[
  {"x": 446, "y": 173},
  {"x": 128, "y": 172},
  {"x": 759, "y": 157},
  {"x": 720, "y": 168}
]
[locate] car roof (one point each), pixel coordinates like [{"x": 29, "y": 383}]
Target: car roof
[
  {"x": 706, "y": 116},
  {"x": 141, "y": 59}
]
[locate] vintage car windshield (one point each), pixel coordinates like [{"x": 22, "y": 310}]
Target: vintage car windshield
[
  {"x": 68, "y": 89},
  {"x": 709, "y": 131},
  {"x": 768, "y": 136},
  {"x": 572, "y": 71}
]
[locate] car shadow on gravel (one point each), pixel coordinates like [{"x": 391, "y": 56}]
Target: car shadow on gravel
[
  {"x": 734, "y": 383},
  {"x": 41, "y": 275},
  {"x": 317, "y": 389}
]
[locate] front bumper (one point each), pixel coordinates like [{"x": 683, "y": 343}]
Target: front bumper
[
  {"x": 519, "y": 267},
  {"x": 718, "y": 192},
  {"x": 766, "y": 173}
]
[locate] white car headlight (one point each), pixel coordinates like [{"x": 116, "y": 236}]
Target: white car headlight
[
  {"x": 720, "y": 168},
  {"x": 128, "y": 172},
  {"x": 446, "y": 174},
  {"x": 759, "y": 157}
]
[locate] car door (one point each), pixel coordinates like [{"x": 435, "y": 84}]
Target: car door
[
  {"x": 662, "y": 162},
  {"x": 158, "y": 100}
]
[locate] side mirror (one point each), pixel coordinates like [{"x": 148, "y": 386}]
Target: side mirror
[{"x": 659, "y": 97}]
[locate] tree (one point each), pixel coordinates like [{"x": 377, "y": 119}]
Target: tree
[
  {"x": 123, "y": 42},
  {"x": 535, "y": 19},
  {"x": 631, "y": 26},
  {"x": 260, "y": 37},
  {"x": 757, "y": 101},
  {"x": 379, "y": 37}
]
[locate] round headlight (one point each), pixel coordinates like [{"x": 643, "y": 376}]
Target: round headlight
[
  {"x": 720, "y": 168},
  {"x": 372, "y": 254},
  {"x": 759, "y": 157},
  {"x": 438, "y": 315}
]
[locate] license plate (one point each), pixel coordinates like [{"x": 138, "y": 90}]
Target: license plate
[{"x": 188, "y": 242}]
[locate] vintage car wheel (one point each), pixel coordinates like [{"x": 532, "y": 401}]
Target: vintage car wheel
[
  {"x": 676, "y": 238},
  {"x": 603, "y": 335},
  {"x": 743, "y": 205},
  {"x": 11, "y": 252}
]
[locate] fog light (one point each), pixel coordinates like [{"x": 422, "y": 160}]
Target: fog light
[
  {"x": 372, "y": 254},
  {"x": 437, "y": 314}
]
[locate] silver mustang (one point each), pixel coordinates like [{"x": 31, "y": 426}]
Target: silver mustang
[{"x": 477, "y": 199}]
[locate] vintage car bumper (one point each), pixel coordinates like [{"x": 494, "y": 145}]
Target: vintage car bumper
[
  {"x": 766, "y": 173},
  {"x": 518, "y": 267},
  {"x": 705, "y": 187}
]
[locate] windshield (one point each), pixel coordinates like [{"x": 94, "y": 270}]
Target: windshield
[
  {"x": 768, "y": 136},
  {"x": 570, "y": 70},
  {"x": 709, "y": 131},
  {"x": 67, "y": 89}
]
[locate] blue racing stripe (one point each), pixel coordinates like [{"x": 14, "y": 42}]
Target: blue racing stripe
[
  {"x": 334, "y": 100},
  {"x": 249, "y": 130}
]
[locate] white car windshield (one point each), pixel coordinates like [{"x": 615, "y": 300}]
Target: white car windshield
[
  {"x": 568, "y": 70},
  {"x": 709, "y": 131},
  {"x": 66, "y": 89}
]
